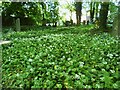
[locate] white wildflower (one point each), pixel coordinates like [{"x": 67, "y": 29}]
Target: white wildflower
[
  {"x": 63, "y": 57},
  {"x": 112, "y": 71},
  {"x": 118, "y": 62},
  {"x": 97, "y": 85},
  {"x": 17, "y": 74},
  {"x": 69, "y": 58},
  {"x": 31, "y": 69},
  {"x": 77, "y": 76},
  {"x": 30, "y": 60},
  {"x": 103, "y": 69},
  {"x": 93, "y": 70},
  {"x": 110, "y": 55},
  {"x": 35, "y": 78},
  {"x": 104, "y": 62},
  {"x": 82, "y": 75},
  {"x": 81, "y": 64}
]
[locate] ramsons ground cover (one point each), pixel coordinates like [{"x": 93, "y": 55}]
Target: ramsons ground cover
[{"x": 60, "y": 59}]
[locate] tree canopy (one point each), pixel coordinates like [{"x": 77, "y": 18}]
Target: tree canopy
[{"x": 48, "y": 13}]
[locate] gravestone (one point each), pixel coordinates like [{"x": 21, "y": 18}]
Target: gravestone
[
  {"x": 87, "y": 22},
  {"x": 67, "y": 23},
  {"x": 84, "y": 22},
  {"x": 116, "y": 24},
  {"x": 17, "y": 24}
]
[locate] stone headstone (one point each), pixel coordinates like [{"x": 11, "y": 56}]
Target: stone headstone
[
  {"x": 84, "y": 22},
  {"x": 17, "y": 24}
]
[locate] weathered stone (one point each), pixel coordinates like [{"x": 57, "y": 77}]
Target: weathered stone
[
  {"x": 84, "y": 22},
  {"x": 17, "y": 24}
]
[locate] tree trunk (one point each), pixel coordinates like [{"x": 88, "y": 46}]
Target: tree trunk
[
  {"x": 103, "y": 15},
  {"x": 116, "y": 24},
  {"x": 43, "y": 21},
  {"x": 92, "y": 11},
  {"x": 44, "y": 10},
  {"x": 119, "y": 21},
  {"x": 96, "y": 10},
  {"x": 78, "y": 12},
  {"x": 71, "y": 18}
]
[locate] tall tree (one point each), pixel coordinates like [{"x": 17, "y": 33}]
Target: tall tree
[
  {"x": 54, "y": 10},
  {"x": 103, "y": 15},
  {"x": 96, "y": 10},
  {"x": 119, "y": 20},
  {"x": 43, "y": 13},
  {"x": 92, "y": 11},
  {"x": 113, "y": 10},
  {"x": 50, "y": 11},
  {"x": 71, "y": 7},
  {"x": 116, "y": 22},
  {"x": 23, "y": 10},
  {"x": 78, "y": 6}
]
